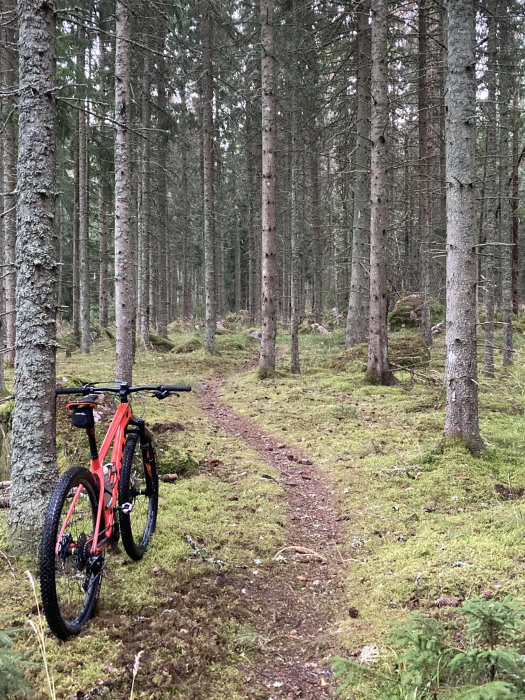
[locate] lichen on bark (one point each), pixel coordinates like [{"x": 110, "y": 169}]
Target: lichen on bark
[{"x": 33, "y": 446}]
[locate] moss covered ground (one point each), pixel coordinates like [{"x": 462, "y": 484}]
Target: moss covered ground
[{"x": 423, "y": 520}]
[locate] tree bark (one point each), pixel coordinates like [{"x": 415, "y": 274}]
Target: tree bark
[
  {"x": 123, "y": 259},
  {"x": 187, "y": 247},
  {"x": 33, "y": 450},
  {"x": 208, "y": 181},
  {"x": 163, "y": 305},
  {"x": 424, "y": 175},
  {"x": 103, "y": 257},
  {"x": 144, "y": 223},
  {"x": 515, "y": 204},
  {"x": 294, "y": 238},
  {"x": 9, "y": 83},
  {"x": 75, "y": 261},
  {"x": 317, "y": 231},
  {"x": 461, "y": 359},
  {"x": 358, "y": 302},
  {"x": 269, "y": 233},
  {"x": 83, "y": 214},
  {"x": 378, "y": 371},
  {"x": 505, "y": 154},
  {"x": 490, "y": 200}
]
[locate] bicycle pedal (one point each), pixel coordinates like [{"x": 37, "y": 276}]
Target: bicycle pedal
[{"x": 125, "y": 508}]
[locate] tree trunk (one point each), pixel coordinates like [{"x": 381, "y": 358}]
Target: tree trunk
[
  {"x": 208, "y": 181},
  {"x": 506, "y": 99},
  {"x": 294, "y": 242},
  {"x": 9, "y": 84},
  {"x": 83, "y": 214},
  {"x": 490, "y": 200},
  {"x": 101, "y": 199},
  {"x": 144, "y": 223},
  {"x": 317, "y": 302},
  {"x": 163, "y": 303},
  {"x": 251, "y": 131},
  {"x": 75, "y": 292},
  {"x": 103, "y": 257},
  {"x": 424, "y": 175},
  {"x": 123, "y": 260},
  {"x": 187, "y": 246},
  {"x": 33, "y": 450},
  {"x": 358, "y": 302},
  {"x": 515, "y": 204},
  {"x": 461, "y": 362},
  {"x": 378, "y": 371},
  {"x": 269, "y": 233},
  {"x": 236, "y": 236}
]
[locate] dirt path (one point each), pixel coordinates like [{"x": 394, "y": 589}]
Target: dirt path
[{"x": 297, "y": 599}]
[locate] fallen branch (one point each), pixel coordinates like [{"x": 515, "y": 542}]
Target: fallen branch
[
  {"x": 8, "y": 563},
  {"x": 302, "y": 551},
  {"x": 168, "y": 478},
  {"x": 201, "y": 552},
  {"x": 413, "y": 373}
]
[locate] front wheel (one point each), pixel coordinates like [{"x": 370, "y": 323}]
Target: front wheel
[
  {"x": 70, "y": 575},
  {"x": 138, "y": 495}
]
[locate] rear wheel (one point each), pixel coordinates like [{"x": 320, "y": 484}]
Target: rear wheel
[
  {"x": 70, "y": 576},
  {"x": 138, "y": 496}
]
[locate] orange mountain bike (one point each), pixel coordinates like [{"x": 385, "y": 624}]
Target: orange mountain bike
[{"x": 81, "y": 523}]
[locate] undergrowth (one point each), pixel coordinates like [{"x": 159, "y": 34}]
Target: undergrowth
[
  {"x": 427, "y": 527},
  {"x": 182, "y": 605},
  {"x": 471, "y": 657},
  {"x": 425, "y": 522}
]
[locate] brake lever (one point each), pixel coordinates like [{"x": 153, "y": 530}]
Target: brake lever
[{"x": 164, "y": 394}]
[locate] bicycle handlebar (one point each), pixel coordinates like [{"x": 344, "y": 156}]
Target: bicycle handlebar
[{"x": 123, "y": 389}]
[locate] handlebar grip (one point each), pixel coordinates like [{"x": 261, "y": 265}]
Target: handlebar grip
[
  {"x": 174, "y": 387},
  {"x": 71, "y": 390}
]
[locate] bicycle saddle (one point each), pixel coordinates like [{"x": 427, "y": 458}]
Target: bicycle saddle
[{"x": 89, "y": 400}]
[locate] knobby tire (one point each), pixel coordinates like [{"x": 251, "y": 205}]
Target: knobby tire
[{"x": 69, "y": 589}]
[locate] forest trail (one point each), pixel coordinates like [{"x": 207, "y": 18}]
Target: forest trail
[{"x": 299, "y": 596}]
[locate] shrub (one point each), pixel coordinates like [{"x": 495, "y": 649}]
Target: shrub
[{"x": 428, "y": 663}]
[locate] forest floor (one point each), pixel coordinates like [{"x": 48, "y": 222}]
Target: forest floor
[
  {"x": 302, "y": 589},
  {"x": 323, "y": 510}
]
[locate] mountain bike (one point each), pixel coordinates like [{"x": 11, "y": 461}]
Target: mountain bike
[{"x": 81, "y": 521}]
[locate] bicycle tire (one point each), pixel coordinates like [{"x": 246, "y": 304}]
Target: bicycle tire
[
  {"x": 69, "y": 587},
  {"x": 138, "y": 488}
]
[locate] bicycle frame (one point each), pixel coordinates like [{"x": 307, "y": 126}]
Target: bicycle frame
[{"x": 116, "y": 436}]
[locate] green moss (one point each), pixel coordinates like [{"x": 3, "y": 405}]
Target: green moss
[
  {"x": 230, "y": 344},
  {"x": 174, "y": 459},
  {"x": 417, "y": 523},
  {"x": 263, "y": 373},
  {"x": 6, "y": 414},
  {"x": 405, "y": 352},
  {"x": 407, "y": 312},
  {"x": 161, "y": 344},
  {"x": 187, "y": 347}
]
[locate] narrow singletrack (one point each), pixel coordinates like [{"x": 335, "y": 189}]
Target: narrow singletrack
[{"x": 300, "y": 594}]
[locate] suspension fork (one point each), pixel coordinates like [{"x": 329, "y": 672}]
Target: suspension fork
[{"x": 147, "y": 446}]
